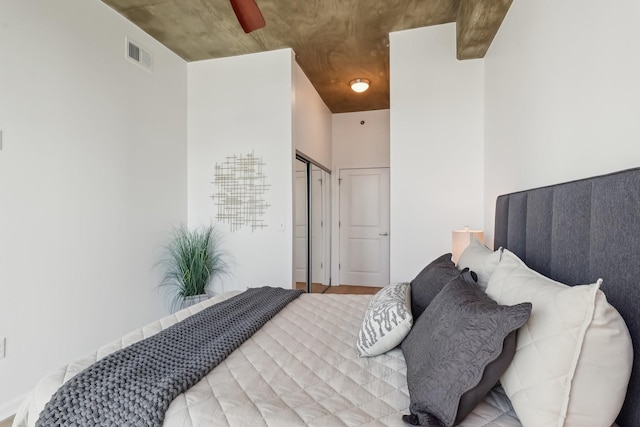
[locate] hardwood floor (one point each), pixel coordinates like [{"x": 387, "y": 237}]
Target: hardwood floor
[{"x": 342, "y": 289}]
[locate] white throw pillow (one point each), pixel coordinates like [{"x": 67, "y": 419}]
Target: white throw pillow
[
  {"x": 387, "y": 320},
  {"x": 573, "y": 357},
  {"x": 479, "y": 259}
]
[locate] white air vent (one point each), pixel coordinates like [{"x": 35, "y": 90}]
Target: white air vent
[{"x": 136, "y": 54}]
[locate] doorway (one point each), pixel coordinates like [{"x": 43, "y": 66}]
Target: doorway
[{"x": 364, "y": 227}]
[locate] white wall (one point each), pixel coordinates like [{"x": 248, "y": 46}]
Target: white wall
[
  {"x": 92, "y": 176},
  {"x": 436, "y": 146},
  {"x": 236, "y": 106},
  {"x": 355, "y": 145},
  {"x": 311, "y": 120},
  {"x": 562, "y": 95}
]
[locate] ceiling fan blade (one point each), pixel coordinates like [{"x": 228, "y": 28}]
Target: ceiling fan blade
[{"x": 248, "y": 14}]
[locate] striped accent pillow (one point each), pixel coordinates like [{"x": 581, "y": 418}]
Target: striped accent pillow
[{"x": 387, "y": 320}]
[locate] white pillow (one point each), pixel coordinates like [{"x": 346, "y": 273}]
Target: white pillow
[
  {"x": 479, "y": 259},
  {"x": 574, "y": 355},
  {"x": 387, "y": 320}
]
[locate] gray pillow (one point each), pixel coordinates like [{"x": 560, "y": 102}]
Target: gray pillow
[
  {"x": 493, "y": 371},
  {"x": 430, "y": 281},
  {"x": 452, "y": 346}
]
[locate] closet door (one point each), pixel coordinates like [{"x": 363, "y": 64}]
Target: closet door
[
  {"x": 300, "y": 252},
  {"x": 312, "y": 214}
]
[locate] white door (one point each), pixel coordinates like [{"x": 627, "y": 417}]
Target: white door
[
  {"x": 300, "y": 248},
  {"x": 317, "y": 226},
  {"x": 364, "y": 227}
]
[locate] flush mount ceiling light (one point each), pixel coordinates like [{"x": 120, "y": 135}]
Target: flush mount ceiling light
[{"x": 359, "y": 85}]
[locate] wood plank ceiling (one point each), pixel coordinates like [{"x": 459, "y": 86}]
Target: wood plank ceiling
[{"x": 335, "y": 41}]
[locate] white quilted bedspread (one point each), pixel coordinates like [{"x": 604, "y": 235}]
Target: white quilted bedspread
[{"x": 300, "y": 369}]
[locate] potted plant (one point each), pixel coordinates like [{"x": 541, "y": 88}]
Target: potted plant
[{"x": 193, "y": 259}]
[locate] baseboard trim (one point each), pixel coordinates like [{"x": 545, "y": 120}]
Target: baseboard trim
[{"x": 8, "y": 409}]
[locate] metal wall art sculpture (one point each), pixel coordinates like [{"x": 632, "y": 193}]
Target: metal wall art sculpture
[{"x": 239, "y": 198}]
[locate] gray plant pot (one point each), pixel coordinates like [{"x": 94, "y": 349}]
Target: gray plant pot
[{"x": 194, "y": 299}]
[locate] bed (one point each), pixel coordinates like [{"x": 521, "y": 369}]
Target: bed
[{"x": 301, "y": 367}]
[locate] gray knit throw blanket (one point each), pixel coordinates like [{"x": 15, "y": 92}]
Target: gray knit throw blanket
[{"x": 134, "y": 386}]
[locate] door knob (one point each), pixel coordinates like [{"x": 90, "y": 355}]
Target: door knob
[{"x": 383, "y": 234}]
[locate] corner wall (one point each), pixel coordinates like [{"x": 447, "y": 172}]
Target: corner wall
[
  {"x": 92, "y": 176},
  {"x": 437, "y": 120},
  {"x": 562, "y": 95},
  {"x": 237, "y": 106}
]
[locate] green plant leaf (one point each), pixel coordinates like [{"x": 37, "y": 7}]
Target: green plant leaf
[{"x": 192, "y": 260}]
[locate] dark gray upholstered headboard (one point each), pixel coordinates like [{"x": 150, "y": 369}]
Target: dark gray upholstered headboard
[{"x": 580, "y": 231}]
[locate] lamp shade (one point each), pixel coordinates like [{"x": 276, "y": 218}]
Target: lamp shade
[{"x": 461, "y": 239}]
